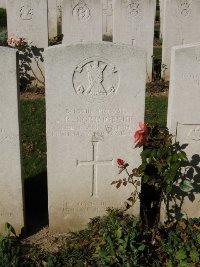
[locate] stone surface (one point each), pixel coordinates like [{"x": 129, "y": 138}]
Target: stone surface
[
  {"x": 184, "y": 111},
  {"x": 52, "y": 18},
  {"x": 91, "y": 118},
  {"x": 134, "y": 24},
  {"x": 28, "y": 19},
  {"x": 82, "y": 20},
  {"x": 180, "y": 26},
  {"x": 162, "y": 4},
  {"x": 2, "y": 3},
  {"x": 11, "y": 200},
  {"x": 107, "y": 17}
]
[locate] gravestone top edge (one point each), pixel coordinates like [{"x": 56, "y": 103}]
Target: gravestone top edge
[{"x": 100, "y": 44}]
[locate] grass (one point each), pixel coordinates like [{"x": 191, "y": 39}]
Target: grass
[
  {"x": 156, "y": 110},
  {"x": 34, "y": 137}
]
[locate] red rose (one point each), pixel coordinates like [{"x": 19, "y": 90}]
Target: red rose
[
  {"x": 120, "y": 162},
  {"x": 141, "y": 136}
]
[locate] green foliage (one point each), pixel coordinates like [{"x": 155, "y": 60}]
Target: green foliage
[
  {"x": 116, "y": 239},
  {"x": 3, "y": 18},
  {"x": 180, "y": 244}
]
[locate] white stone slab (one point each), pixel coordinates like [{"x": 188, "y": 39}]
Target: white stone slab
[
  {"x": 162, "y": 6},
  {"x": 184, "y": 109},
  {"x": 95, "y": 98},
  {"x": 28, "y": 19},
  {"x": 82, "y": 20},
  {"x": 52, "y": 18},
  {"x": 107, "y": 17},
  {"x": 11, "y": 200},
  {"x": 134, "y": 24},
  {"x": 180, "y": 26},
  {"x": 2, "y": 3}
]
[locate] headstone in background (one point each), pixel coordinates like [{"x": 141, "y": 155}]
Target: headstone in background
[
  {"x": 28, "y": 19},
  {"x": 184, "y": 113},
  {"x": 91, "y": 118},
  {"x": 59, "y": 11},
  {"x": 134, "y": 24},
  {"x": 82, "y": 20},
  {"x": 52, "y": 18},
  {"x": 11, "y": 184},
  {"x": 2, "y": 3},
  {"x": 107, "y": 17},
  {"x": 161, "y": 4},
  {"x": 180, "y": 26}
]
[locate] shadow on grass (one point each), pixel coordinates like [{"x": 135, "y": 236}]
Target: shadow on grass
[{"x": 36, "y": 202}]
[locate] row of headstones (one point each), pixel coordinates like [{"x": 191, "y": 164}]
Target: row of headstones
[
  {"x": 95, "y": 98},
  {"x": 179, "y": 25},
  {"x": 82, "y": 21}
]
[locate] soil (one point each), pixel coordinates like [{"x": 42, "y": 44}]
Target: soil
[{"x": 45, "y": 240}]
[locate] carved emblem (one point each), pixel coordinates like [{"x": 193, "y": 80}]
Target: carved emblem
[
  {"x": 81, "y": 11},
  {"x": 134, "y": 7},
  {"x": 26, "y": 12},
  {"x": 184, "y": 9},
  {"x": 194, "y": 134},
  {"x": 96, "y": 78}
]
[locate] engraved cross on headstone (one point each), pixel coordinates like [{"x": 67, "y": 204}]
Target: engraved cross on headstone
[{"x": 95, "y": 163}]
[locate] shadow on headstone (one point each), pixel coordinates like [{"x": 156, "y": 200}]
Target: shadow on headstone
[
  {"x": 36, "y": 202},
  {"x": 176, "y": 199},
  {"x": 30, "y": 70}
]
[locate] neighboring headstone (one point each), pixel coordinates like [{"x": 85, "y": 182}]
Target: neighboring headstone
[
  {"x": 91, "y": 118},
  {"x": 134, "y": 24},
  {"x": 28, "y": 19},
  {"x": 161, "y": 4},
  {"x": 52, "y": 18},
  {"x": 59, "y": 11},
  {"x": 2, "y": 3},
  {"x": 82, "y": 20},
  {"x": 180, "y": 26},
  {"x": 184, "y": 112},
  {"x": 107, "y": 17},
  {"x": 11, "y": 188}
]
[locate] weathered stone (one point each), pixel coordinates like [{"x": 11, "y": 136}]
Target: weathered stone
[
  {"x": 82, "y": 20},
  {"x": 184, "y": 115},
  {"x": 11, "y": 199},
  {"x": 28, "y": 19},
  {"x": 134, "y": 24},
  {"x": 107, "y": 17},
  {"x": 180, "y": 26},
  {"x": 95, "y": 98},
  {"x": 52, "y": 18},
  {"x": 2, "y": 3}
]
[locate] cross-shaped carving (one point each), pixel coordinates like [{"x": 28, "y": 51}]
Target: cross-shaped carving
[{"x": 94, "y": 163}]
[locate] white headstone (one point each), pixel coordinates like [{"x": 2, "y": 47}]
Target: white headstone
[
  {"x": 91, "y": 118},
  {"x": 107, "y": 17},
  {"x": 82, "y": 20},
  {"x": 184, "y": 109},
  {"x": 11, "y": 199},
  {"x": 161, "y": 4},
  {"x": 134, "y": 24},
  {"x": 2, "y": 3},
  {"x": 28, "y": 19},
  {"x": 180, "y": 26},
  {"x": 52, "y": 18}
]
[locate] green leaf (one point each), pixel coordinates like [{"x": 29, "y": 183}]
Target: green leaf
[
  {"x": 119, "y": 233},
  {"x": 194, "y": 255},
  {"x": 180, "y": 255},
  {"x": 186, "y": 186},
  {"x": 141, "y": 247}
]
